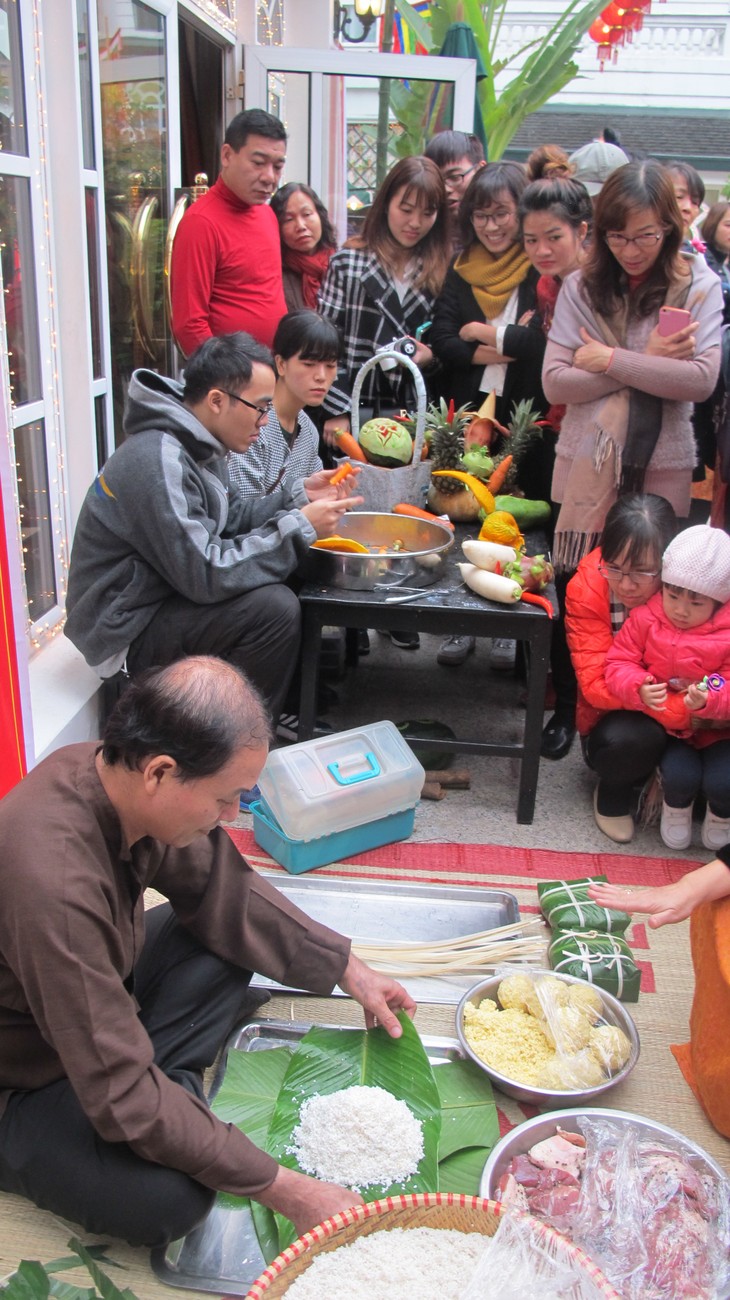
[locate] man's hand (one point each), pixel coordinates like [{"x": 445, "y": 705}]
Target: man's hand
[
  {"x": 380, "y": 995},
  {"x": 306, "y": 1201},
  {"x": 594, "y": 356},
  {"x": 653, "y": 694},
  {"x": 325, "y": 516},
  {"x": 318, "y": 487}
]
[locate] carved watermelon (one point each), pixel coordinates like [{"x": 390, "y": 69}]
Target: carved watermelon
[{"x": 386, "y": 442}]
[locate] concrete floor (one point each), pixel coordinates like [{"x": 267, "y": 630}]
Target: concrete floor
[{"x": 478, "y": 703}]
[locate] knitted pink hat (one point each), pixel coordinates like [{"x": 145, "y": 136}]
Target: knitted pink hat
[{"x": 698, "y": 559}]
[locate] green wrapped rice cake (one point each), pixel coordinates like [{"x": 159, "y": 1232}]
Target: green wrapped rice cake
[
  {"x": 566, "y": 906},
  {"x": 603, "y": 959}
]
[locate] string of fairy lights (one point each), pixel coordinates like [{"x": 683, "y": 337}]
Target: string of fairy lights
[{"x": 50, "y": 508}]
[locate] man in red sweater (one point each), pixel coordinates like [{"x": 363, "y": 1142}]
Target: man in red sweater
[{"x": 226, "y": 264}]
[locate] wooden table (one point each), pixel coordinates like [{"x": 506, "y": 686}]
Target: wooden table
[{"x": 459, "y": 612}]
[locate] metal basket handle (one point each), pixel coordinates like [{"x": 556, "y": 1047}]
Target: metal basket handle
[{"x": 420, "y": 397}]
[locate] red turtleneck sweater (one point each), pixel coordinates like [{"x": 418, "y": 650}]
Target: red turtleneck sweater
[{"x": 226, "y": 270}]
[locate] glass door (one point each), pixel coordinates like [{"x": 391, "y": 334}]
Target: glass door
[{"x": 337, "y": 106}]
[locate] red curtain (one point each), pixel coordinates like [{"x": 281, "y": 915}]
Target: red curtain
[{"x": 12, "y": 748}]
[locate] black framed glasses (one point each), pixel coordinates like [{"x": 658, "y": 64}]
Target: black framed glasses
[
  {"x": 261, "y": 411},
  {"x": 646, "y": 241},
  {"x": 456, "y": 177},
  {"x": 636, "y": 576}
]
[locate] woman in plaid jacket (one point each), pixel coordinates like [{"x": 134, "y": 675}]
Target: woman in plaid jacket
[{"x": 383, "y": 284}]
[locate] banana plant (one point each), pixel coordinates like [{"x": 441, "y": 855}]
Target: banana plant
[{"x": 548, "y": 66}]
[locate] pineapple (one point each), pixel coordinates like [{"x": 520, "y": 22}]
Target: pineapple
[
  {"x": 524, "y": 428},
  {"x": 446, "y": 428}
]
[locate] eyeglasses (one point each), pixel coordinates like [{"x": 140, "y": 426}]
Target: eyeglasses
[
  {"x": 501, "y": 217},
  {"x": 455, "y": 178},
  {"x": 636, "y": 576},
  {"x": 647, "y": 241},
  {"x": 262, "y": 411}
]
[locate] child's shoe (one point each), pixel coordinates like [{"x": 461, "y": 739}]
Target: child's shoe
[
  {"x": 715, "y": 831},
  {"x": 675, "y": 827}
]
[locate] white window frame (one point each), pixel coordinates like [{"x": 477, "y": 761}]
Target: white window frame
[
  {"x": 260, "y": 60},
  {"x": 48, "y": 407}
]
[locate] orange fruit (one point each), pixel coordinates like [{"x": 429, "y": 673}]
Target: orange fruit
[{"x": 500, "y": 526}]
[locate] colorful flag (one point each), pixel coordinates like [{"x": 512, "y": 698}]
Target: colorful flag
[{"x": 404, "y": 42}]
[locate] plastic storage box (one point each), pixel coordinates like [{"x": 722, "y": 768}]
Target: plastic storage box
[
  {"x": 337, "y": 783},
  {"x": 304, "y": 855}
]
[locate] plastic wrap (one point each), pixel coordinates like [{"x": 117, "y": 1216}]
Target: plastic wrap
[
  {"x": 554, "y": 1034},
  {"x": 603, "y": 959},
  {"x": 524, "y": 1258},
  {"x": 651, "y": 1213},
  {"x": 566, "y": 906}
]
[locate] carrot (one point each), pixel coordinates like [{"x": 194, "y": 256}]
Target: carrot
[
  {"x": 336, "y": 543},
  {"x": 349, "y": 447},
  {"x": 415, "y": 513},
  {"x": 342, "y": 473},
  {"x": 532, "y": 598},
  {"x": 498, "y": 475}
]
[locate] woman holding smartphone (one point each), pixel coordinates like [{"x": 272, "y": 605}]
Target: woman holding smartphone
[{"x": 628, "y": 385}]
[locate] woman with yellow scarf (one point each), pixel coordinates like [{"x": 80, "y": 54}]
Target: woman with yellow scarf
[
  {"x": 481, "y": 330},
  {"x": 483, "y": 336}
]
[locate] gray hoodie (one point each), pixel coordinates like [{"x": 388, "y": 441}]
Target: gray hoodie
[{"x": 162, "y": 518}]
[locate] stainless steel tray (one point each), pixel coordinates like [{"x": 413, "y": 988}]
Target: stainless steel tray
[
  {"x": 223, "y": 1254},
  {"x": 374, "y": 910}
]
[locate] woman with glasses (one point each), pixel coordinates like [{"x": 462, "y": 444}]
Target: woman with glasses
[
  {"x": 622, "y": 747},
  {"x": 627, "y": 384},
  {"x": 306, "y": 348},
  {"x": 480, "y": 327}
]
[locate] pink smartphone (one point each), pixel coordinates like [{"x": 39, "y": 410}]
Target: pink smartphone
[{"x": 672, "y": 319}]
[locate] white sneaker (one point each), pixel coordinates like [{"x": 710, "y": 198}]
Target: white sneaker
[
  {"x": 715, "y": 831},
  {"x": 675, "y": 827}
]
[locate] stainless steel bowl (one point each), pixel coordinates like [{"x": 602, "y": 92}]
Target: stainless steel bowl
[
  {"x": 421, "y": 563},
  {"x": 614, "y": 1013},
  {"x": 520, "y": 1139}
]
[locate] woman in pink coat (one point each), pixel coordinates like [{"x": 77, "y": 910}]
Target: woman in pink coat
[{"x": 679, "y": 641}]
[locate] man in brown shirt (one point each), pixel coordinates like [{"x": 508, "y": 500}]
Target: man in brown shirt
[{"x": 109, "y": 1016}]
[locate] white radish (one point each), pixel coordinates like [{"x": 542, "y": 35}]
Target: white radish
[
  {"x": 492, "y": 585},
  {"x": 487, "y": 555}
]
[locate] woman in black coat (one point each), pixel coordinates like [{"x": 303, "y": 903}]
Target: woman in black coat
[{"x": 481, "y": 330}]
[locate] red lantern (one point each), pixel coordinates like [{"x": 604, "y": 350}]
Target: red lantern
[{"x": 606, "y": 38}]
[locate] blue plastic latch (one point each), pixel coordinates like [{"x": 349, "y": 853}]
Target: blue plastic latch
[{"x": 373, "y": 770}]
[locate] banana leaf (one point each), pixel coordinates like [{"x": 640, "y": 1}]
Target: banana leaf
[
  {"x": 468, "y": 1113},
  {"x": 462, "y": 1171},
  {"x": 328, "y": 1060}
]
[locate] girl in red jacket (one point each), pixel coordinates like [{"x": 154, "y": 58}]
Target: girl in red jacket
[{"x": 679, "y": 642}]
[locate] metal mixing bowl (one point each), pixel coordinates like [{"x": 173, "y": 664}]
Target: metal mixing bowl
[
  {"x": 421, "y": 563},
  {"x": 614, "y": 1013},
  {"x": 520, "y": 1139}
]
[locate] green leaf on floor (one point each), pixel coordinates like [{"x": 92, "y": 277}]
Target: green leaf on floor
[
  {"x": 246, "y": 1098},
  {"x": 104, "y": 1284},
  {"x": 468, "y": 1111},
  {"x": 328, "y": 1060},
  {"x": 462, "y": 1171}
]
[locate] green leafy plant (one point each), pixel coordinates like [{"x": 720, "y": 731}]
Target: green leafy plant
[
  {"x": 548, "y": 66},
  {"x": 36, "y": 1281}
]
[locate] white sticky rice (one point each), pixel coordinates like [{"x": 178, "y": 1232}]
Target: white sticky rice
[
  {"x": 359, "y": 1137},
  {"x": 405, "y": 1264}
]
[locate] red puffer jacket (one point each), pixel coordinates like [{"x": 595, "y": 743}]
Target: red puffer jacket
[
  {"x": 588, "y": 626},
  {"x": 649, "y": 642}
]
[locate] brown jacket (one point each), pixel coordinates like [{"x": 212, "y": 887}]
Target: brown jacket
[{"x": 71, "y": 928}]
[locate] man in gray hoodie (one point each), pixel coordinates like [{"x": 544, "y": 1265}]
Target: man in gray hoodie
[{"x": 168, "y": 559}]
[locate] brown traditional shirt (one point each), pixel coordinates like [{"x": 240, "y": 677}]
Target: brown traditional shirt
[{"x": 71, "y": 929}]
